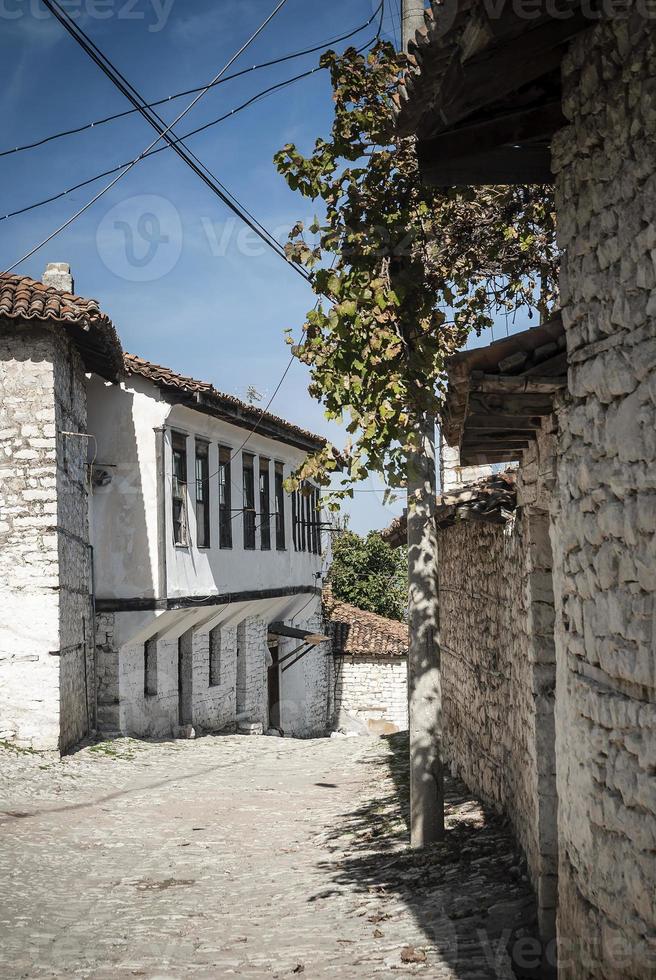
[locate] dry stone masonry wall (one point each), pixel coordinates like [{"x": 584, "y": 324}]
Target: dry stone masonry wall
[
  {"x": 606, "y": 515},
  {"x": 46, "y": 660},
  {"x": 496, "y": 616},
  {"x": 372, "y": 693}
]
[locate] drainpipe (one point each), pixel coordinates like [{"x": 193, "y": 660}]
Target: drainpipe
[{"x": 412, "y": 20}]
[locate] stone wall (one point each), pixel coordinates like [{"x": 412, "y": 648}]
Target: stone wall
[
  {"x": 215, "y": 704},
  {"x": 496, "y": 623},
  {"x": 305, "y": 686},
  {"x": 125, "y": 705},
  {"x": 45, "y": 656},
  {"x": 604, "y": 523},
  {"x": 372, "y": 692},
  {"x": 252, "y": 692},
  {"x": 76, "y": 669}
]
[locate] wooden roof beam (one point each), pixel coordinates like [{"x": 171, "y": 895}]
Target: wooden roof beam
[{"x": 515, "y": 384}]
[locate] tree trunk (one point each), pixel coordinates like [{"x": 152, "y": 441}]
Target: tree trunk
[{"x": 424, "y": 660}]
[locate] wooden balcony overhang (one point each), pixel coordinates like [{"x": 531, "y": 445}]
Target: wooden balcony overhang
[
  {"x": 484, "y": 99},
  {"x": 499, "y": 395}
]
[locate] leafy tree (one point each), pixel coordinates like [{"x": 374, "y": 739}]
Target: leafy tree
[
  {"x": 369, "y": 574},
  {"x": 414, "y": 270}
]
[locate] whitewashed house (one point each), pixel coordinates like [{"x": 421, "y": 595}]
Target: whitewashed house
[
  {"x": 156, "y": 521},
  {"x": 200, "y": 552}
]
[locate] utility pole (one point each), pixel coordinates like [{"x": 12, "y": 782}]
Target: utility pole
[
  {"x": 424, "y": 657},
  {"x": 412, "y": 19}
]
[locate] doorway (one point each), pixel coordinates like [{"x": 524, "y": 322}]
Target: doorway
[
  {"x": 184, "y": 679},
  {"x": 273, "y": 681}
]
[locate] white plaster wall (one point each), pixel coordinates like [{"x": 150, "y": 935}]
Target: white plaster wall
[
  {"x": 125, "y": 513},
  {"x": 305, "y": 685},
  {"x": 373, "y": 692}
]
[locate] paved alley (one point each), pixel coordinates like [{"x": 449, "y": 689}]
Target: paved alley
[{"x": 246, "y": 857}]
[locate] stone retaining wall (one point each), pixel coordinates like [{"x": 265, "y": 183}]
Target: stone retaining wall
[
  {"x": 605, "y": 517},
  {"x": 371, "y": 692}
]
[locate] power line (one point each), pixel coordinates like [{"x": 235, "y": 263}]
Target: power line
[
  {"x": 156, "y": 121},
  {"x": 194, "y": 132},
  {"x": 162, "y": 134},
  {"x": 160, "y": 149},
  {"x": 193, "y": 91}
]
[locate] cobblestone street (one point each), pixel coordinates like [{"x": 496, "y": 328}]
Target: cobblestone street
[{"x": 248, "y": 857}]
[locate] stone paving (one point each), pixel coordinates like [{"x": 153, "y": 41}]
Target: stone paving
[{"x": 247, "y": 857}]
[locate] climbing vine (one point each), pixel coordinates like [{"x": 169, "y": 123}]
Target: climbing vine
[{"x": 403, "y": 272}]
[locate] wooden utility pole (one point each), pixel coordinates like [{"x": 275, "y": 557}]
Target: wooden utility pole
[{"x": 424, "y": 660}]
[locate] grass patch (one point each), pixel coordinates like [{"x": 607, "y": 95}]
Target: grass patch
[{"x": 18, "y": 749}]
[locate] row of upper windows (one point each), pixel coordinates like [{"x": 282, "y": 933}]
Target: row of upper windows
[{"x": 255, "y": 507}]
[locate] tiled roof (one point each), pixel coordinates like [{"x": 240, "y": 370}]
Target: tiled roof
[
  {"x": 491, "y": 500},
  {"x": 207, "y": 399},
  {"x": 358, "y": 633},
  {"x": 26, "y": 300}
]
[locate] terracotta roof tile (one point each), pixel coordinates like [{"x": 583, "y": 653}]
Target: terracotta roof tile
[
  {"x": 26, "y": 300},
  {"x": 216, "y": 402},
  {"x": 358, "y": 633},
  {"x": 490, "y": 499}
]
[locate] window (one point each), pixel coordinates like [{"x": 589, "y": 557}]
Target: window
[
  {"x": 316, "y": 502},
  {"x": 150, "y": 668},
  {"x": 265, "y": 505},
  {"x": 306, "y": 519},
  {"x": 225, "y": 498},
  {"x": 179, "y": 492},
  {"x": 295, "y": 520},
  {"x": 280, "y": 506},
  {"x": 249, "y": 501},
  {"x": 215, "y": 657},
  {"x": 303, "y": 501},
  {"x": 202, "y": 494}
]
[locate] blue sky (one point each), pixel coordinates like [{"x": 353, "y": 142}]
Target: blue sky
[{"x": 185, "y": 284}]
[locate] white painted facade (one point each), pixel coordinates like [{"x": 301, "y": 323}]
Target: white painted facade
[{"x": 181, "y": 601}]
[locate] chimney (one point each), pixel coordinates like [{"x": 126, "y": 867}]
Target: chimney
[
  {"x": 58, "y": 275},
  {"x": 453, "y": 476}
]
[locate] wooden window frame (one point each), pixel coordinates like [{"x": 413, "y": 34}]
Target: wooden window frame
[
  {"x": 279, "y": 497},
  {"x": 248, "y": 502},
  {"x": 179, "y": 476},
  {"x": 264, "y": 480},
  {"x": 225, "y": 497},
  {"x": 203, "y": 520}
]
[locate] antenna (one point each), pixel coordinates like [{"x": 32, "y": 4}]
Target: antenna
[{"x": 253, "y": 395}]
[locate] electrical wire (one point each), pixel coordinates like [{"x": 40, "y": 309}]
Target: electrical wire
[
  {"x": 162, "y": 134},
  {"x": 202, "y": 171},
  {"x": 194, "y": 132},
  {"x": 192, "y": 91}
]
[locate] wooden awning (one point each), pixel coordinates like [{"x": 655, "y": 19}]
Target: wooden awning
[
  {"x": 499, "y": 395},
  {"x": 485, "y": 99},
  {"x": 280, "y": 629}
]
